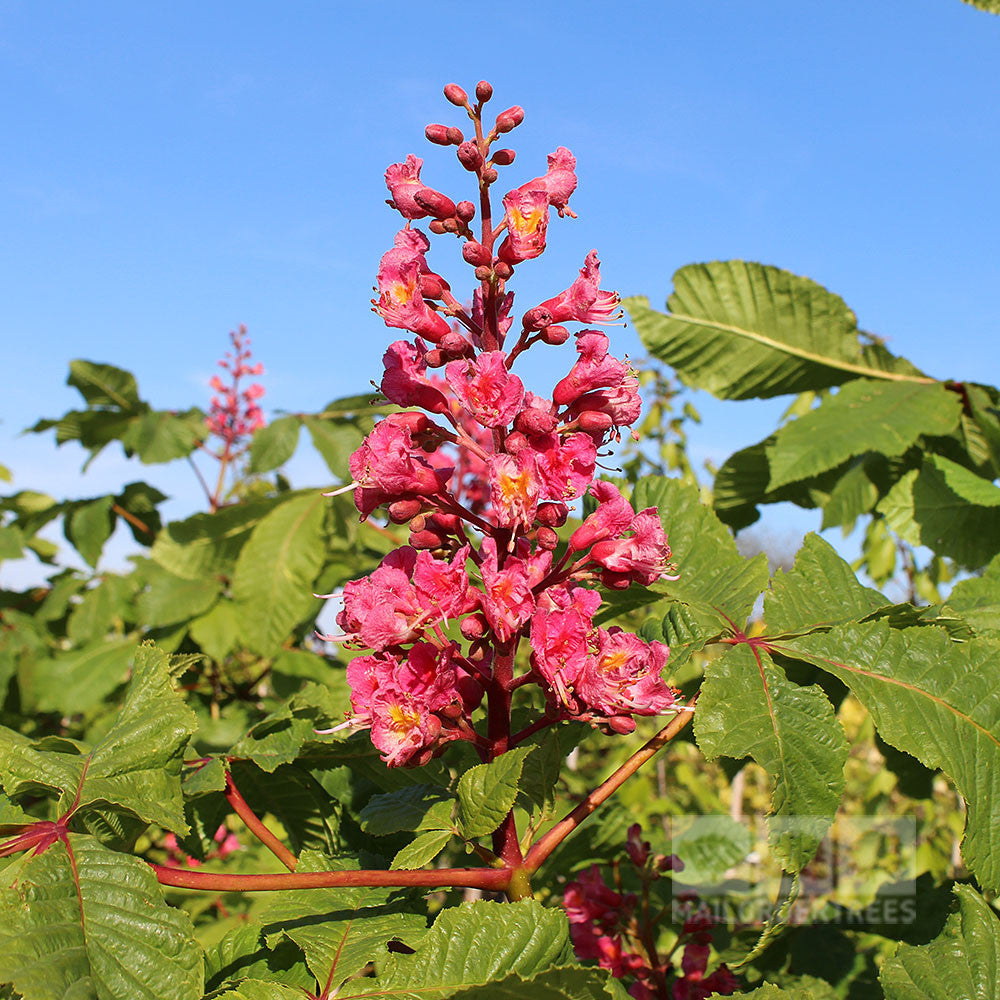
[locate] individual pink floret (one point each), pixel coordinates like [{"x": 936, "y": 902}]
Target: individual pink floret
[
  {"x": 443, "y": 587},
  {"x": 560, "y": 634},
  {"x": 566, "y": 467},
  {"x": 515, "y": 488},
  {"x": 582, "y": 302},
  {"x": 559, "y": 181},
  {"x": 403, "y": 181},
  {"x": 595, "y": 369},
  {"x": 406, "y": 382},
  {"x": 485, "y": 388},
  {"x": 507, "y": 599},
  {"x": 642, "y": 557},
  {"x": 527, "y": 216},
  {"x": 613, "y": 516},
  {"x": 400, "y": 302}
]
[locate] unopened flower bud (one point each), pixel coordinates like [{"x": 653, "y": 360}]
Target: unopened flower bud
[
  {"x": 454, "y": 93},
  {"x": 547, "y": 539},
  {"x": 475, "y": 253},
  {"x": 469, "y": 155},
  {"x": 510, "y": 118},
  {"x": 436, "y": 226},
  {"x": 455, "y": 345},
  {"x": 419, "y": 522},
  {"x": 465, "y": 210},
  {"x": 483, "y": 272},
  {"x": 433, "y": 286},
  {"x": 503, "y": 157},
  {"x": 623, "y": 724},
  {"x": 594, "y": 421},
  {"x": 534, "y": 421},
  {"x": 490, "y": 175},
  {"x": 616, "y": 581},
  {"x": 515, "y": 442},
  {"x": 452, "y": 712},
  {"x": 401, "y": 511},
  {"x": 484, "y": 91},
  {"x": 475, "y": 626},
  {"x": 426, "y": 539},
  {"x": 503, "y": 270},
  {"x": 554, "y": 335},
  {"x": 455, "y": 136},
  {"x": 536, "y": 318},
  {"x": 451, "y": 225},
  {"x": 552, "y": 515},
  {"x": 435, "y": 358},
  {"x": 415, "y": 423},
  {"x": 438, "y": 134},
  {"x": 444, "y": 524},
  {"x": 434, "y": 202}
]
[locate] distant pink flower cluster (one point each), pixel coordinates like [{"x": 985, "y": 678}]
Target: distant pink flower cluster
[
  {"x": 227, "y": 843},
  {"x": 615, "y": 929},
  {"x": 484, "y": 472},
  {"x": 234, "y": 413}
]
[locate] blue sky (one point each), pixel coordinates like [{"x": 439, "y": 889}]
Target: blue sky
[{"x": 172, "y": 170}]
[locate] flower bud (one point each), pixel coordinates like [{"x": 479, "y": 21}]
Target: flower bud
[
  {"x": 594, "y": 421},
  {"x": 623, "y": 724},
  {"x": 433, "y": 286},
  {"x": 418, "y": 523},
  {"x": 490, "y": 175},
  {"x": 455, "y": 136},
  {"x": 465, "y": 210},
  {"x": 475, "y": 253},
  {"x": 484, "y": 91},
  {"x": 401, "y": 511},
  {"x": 438, "y": 134},
  {"x": 454, "y": 93},
  {"x": 444, "y": 524},
  {"x": 426, "y": 539},
  {"x": 436, "y": 226},
  {"x": 469, "y": 155},
  {"x": 475, "y": 626},
  {"x": 547, "y": 539},
  {"x": 503, "y": 157},
  {"x": 534, "y": 421},
  {"x": 455, "y": 345},
  {"x": 415, "y": 423},
  {"x": 450, "y": 225},
  {"x": 515, "y": 442},
  {"x": 510, "y": 118},
  {"x": 437, "y": 204},
  {"x": 536, "y": 318},
  {"x": 554, "y": 335},
  {"x": 616, "y": 581},
  {"x": 503, "y": 270},
  {"x": 552, "y": 515},
  {"x": 435, "y": 358},
  {"x": 483, "y": 272}
]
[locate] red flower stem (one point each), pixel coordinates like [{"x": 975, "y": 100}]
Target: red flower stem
[
  {"x": 492, "y": 879},
  {"x": 545, "y": 845},
  {"x": 256, "y": 827},
  {"x": 506, "y": 844}
]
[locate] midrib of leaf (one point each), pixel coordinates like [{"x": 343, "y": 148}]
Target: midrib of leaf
[
  {"x": 336, "y": 960},
  {"x": 800, "y": 352},
  {"x": 120, "y": 400},
  {"x": 894, "y": 680}
]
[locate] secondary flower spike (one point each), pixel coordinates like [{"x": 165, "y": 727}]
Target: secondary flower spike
[{"x": 487, "y": 597}]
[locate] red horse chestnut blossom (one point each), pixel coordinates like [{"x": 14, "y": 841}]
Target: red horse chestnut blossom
[{"x": 483, "y": 471}]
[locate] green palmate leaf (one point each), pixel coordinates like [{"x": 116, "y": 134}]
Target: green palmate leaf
[
  {"x": 77, "y": 681},
  {"x": 558, "y": 983},
  {"x": 261, "y": 989},
  {"x": 422, "y": 850},
  {"x": 749, "y": 708},
  {"x": 140, "y": 500},
  {"x": 275, "y": 571},
  {"x": 340, "y": 930},
  {"x": 104, "y": 385},
  {"x": 983, "y": 404},
  {"x": 403, "y": 809},
  {"x": 743, "y": 330},
  {"x": 475, "y": 944},
  {"x": 947, "y": 508},
  {"x": 207, "y": 545},
  {"x": 935, "y": 699},
  {"x": 769, "y": 992},
  {"x": 540, "y": 774},
  {"x": 335, "y": 440},
  {"x": 864, "y": 416},
  {"x": 992, "y": 6},
  {"x": 977, "y": 600},
  {"x": 101, "y": 605},
  {"x": 274, "y": 444},
  {"x": 217, "y": 632},
  {"x": 486, "y": 792},
  {"x": 134, "y": 768},
  {"x": 820, "y": 590},
  {"x": 80, "y": 921},
  {"x": 854, "y": 494},
  {"x": 11, "y": 542},
  {"x": 963, "y": 961},
  {"x": 88, "y": 526},
  {"x": 162, "y": 435},
  {"x": 280, "y": 737},
  {"x": 168, "y": 598},
  {"x": 242, "y": 955}
]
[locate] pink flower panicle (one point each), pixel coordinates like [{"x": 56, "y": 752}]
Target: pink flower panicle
[
  {"x": 234, "y": 413},
  {"x": 614, "y": 928},
  {"x": 483, "y": 471}
]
